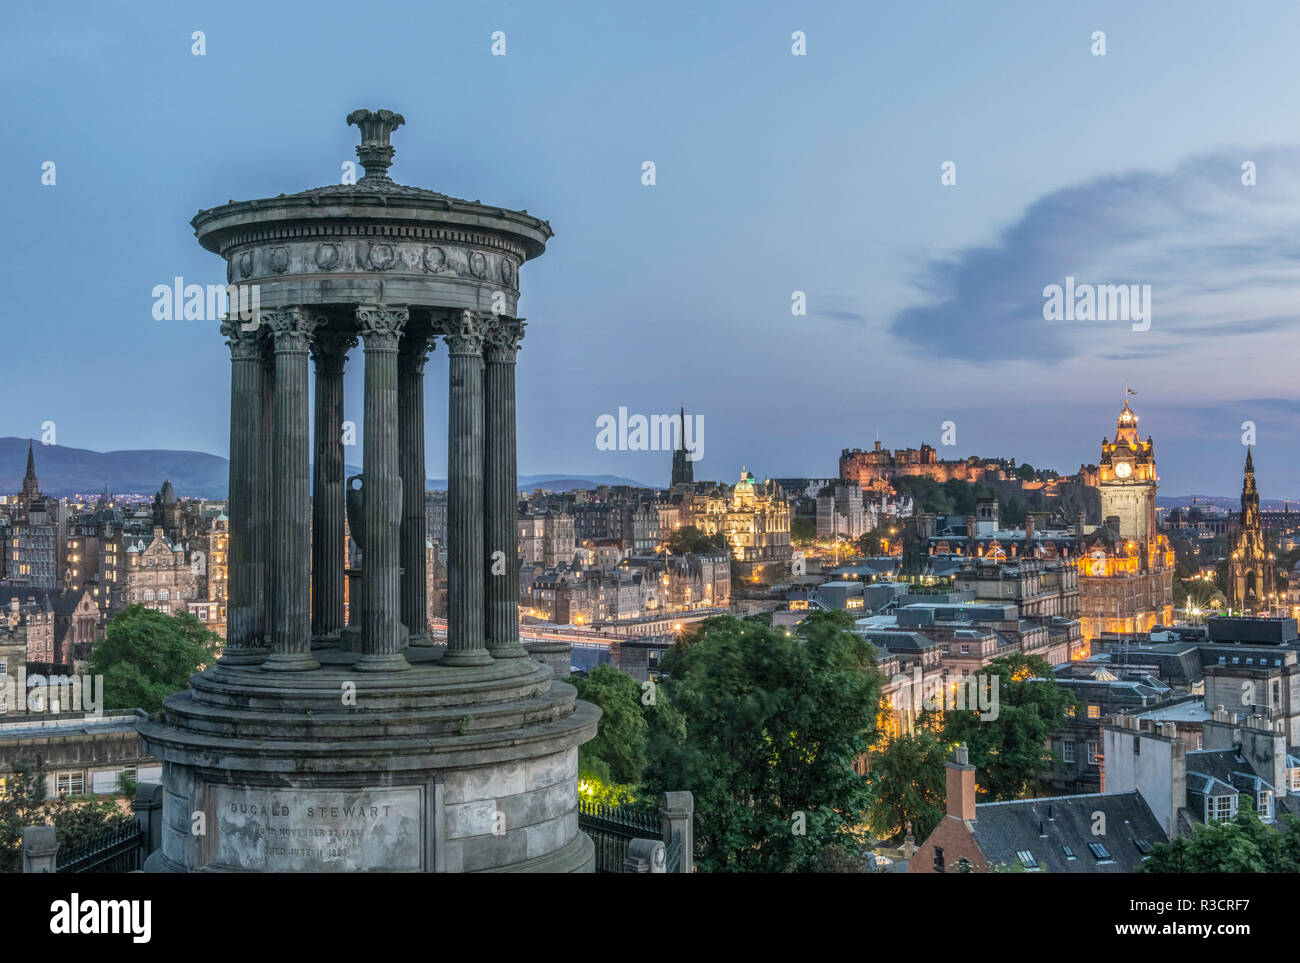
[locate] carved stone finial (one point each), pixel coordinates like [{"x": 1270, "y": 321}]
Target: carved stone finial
[{"x": 375, "y": 152}]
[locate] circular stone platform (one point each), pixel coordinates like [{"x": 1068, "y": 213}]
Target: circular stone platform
[{"x": 433, "y": 769}]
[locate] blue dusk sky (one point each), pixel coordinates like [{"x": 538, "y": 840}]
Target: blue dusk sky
[{"x": 775, "y": 173}]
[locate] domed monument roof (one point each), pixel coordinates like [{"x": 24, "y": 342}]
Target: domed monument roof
[{"x": 334, "y": 243}]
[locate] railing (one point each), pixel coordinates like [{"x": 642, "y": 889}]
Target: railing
[
  {"x": 674, "y": 860},
  {"x": 115, "y": 851},
  {"x": 611, "y": 829}
]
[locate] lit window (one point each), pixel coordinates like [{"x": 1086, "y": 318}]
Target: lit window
[
  {"x": 72, "y": 783},
  {"x": 1094, "y": 712},
  {"x": 1264, "y": 804}
]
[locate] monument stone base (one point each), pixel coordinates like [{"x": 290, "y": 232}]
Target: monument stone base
[{"x": 433, "y": 769}]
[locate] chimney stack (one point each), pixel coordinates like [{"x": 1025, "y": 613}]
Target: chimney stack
[{"x": 961, "y": 785}]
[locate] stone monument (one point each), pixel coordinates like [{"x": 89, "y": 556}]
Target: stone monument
[{"x": 295, "y": 752}]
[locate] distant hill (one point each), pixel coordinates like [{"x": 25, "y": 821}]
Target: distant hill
[
  {"x": 66, "y": 471},
  {"x": 194, "y": 474}
]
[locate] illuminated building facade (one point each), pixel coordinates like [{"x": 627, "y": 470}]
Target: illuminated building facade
[
  {"x": 1252, "y": 566},
  {"x": 1126, "y": 567}
]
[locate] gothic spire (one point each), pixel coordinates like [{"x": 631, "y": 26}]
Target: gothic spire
[{"x": 30, "y": 488}]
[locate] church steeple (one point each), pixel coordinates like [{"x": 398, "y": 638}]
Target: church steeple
[
  {"x": 683, "y": 470},
  {"x": 30, "y": 487}
]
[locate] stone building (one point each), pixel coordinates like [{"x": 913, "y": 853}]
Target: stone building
[
  {"x": 546, "y": 537},
  {"x": 83, "y": 753},
  {"x": 875, "y": 470},
  {"x": 1126, "y": 567},
  {"x": 1252, "y": 565},
  {"x": 841, "y": 512},
  {"x": 158, "y": 575},
  {"x": 755, "y": 521}
]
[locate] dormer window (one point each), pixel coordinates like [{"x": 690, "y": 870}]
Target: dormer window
[
  {"x": 1264, "y": 803},
  {"x": 1220, "y": 809}
]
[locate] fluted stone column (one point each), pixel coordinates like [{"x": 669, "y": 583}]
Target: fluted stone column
[
  {"x": 381, "y": 329},
  {"x": 244, "y": 644},
  {"x": 500, "y": 490},
  {"x": 329, "y": 352},
  {"x": 410, "y": 405},
  {"x": 467, "y": 561},
  {"x": 261, "y": 514},
  {"x": 290, "y": 498}
]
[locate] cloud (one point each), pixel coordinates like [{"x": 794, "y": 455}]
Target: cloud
[{"x": 1221, "y": 259}]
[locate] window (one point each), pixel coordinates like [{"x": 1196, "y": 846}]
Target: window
[
  {"x": 1067, "y": 751},
  {"x": 1143, "y": 846},
  {"x": 938, "y": 859},
  {"x": 1094, "y": 712},
  {"x": 1294, "y": 776},
  {"x": 1220, "y": 808},
  {"x": 1069, "y": 853},
  {"x": 965, "y": 649},
  {"x": 71, "y": 783},
  {"x": 1264, "y": 804},
  {"x": 1094, "y": 753},
  {"x": 1100, "y": 851},
  {"x": 1026, "y": 859}
]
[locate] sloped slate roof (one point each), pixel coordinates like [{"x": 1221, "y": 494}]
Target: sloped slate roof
[{"x": 1044, "y": 827}]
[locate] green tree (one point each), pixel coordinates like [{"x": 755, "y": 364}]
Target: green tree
[
  {"x": 874, "y": 541},
  {"x": 24, "y": 804},
  {"x": 772, "y": 726},
  {"x": 803, "y": 530},
  {"x": 908, "y": 784},
  {"x": 1010, "y": 752},
  {"x": 618, "y": 752},
  {"x": 1026, "y": 472},
  {"x": 690, "y": 540},
  {"x": 148, "y": 655},
  {"x": 1241, "y": 845}
]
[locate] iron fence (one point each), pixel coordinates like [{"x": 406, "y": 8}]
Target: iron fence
[
  {"x": 611, "y": 829},
  {"x": 115, "y": 851}
]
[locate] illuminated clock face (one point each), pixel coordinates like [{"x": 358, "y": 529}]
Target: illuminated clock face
[{"x": 1123, "y": 469}]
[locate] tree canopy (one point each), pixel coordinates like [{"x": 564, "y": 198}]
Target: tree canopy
[
  {"x": 147, "y": 655},
  {"x": 1010, "y": 752},
  {"x": 908, "y": 784},
  {"x": 690, "y": 540},
  {"x": 1241, "y": 845},
  {"x": 773, "y": 724}
]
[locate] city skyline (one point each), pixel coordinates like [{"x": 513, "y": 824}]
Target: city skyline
[{"x": 946, "y": 281}]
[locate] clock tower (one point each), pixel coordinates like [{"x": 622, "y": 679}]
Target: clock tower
[{"x": 1128, "y": 480}]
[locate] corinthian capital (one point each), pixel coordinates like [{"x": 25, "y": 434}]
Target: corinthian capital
[
  {"x": 502, "y": 338},
  {"x": 245, "y": 344},
  {"x": 290, "y": 328},
  {"x": 464, "y": 332},
  {"x": 329, "y": 349},
  {"x": 381, "y": 325}
]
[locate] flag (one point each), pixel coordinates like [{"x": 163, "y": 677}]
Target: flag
[{"x": 1131, "y": 391}]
